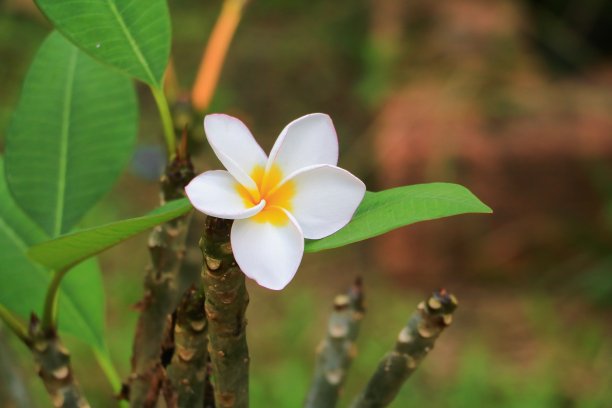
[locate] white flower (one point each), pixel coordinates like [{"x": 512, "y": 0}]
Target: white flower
[{"x": 296, "y": 193}]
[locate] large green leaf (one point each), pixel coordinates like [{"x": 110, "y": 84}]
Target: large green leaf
[
  {"x": 72, "y": 134},
  {"x": 70, "y": 249},
  {"x": 130, "y": 35},
  {"x": 24, "y": 283},
  {"x": 386, "y": 210},
  {"x": 378, "y": 213}
]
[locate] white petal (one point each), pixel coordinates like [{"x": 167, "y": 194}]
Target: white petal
[
  {"x": 215, "y": 193},
  {"x": 325, "y": 200},
  {"x": 235, "y": 147},
  {"x": 306, "y": 141},
  {"x": 269, "y": 254}
]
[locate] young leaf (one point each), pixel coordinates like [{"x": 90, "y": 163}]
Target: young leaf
[
  {"x": 72, "y": 134},
  {"x": 24, "y": 283},
  {"x": 130, "y": 35},
  {"x": 386, "y": 210},
  {"x": 68, "y": 250}
]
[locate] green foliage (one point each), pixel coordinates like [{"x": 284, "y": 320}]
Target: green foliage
[
  {"x": 130, "y": 35},
  {"x": 72, "y": 133},
  {"x": 24, "y": 283},
  {"x": 386, "y": 210},
  {"x": 68, "y": 250}
]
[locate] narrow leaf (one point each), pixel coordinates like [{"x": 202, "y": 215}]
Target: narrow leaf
[
  {"x": 130, "y": 35},
  {"x": 72, "y": 134},
  {"x": 68, "y": 250},
  {"x": 386, "y": 210},
  {"x": 24, "y": 283}
]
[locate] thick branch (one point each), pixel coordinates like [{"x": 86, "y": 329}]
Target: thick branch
[
  {"x": 414, "y": 342},
  {"x": 187, "y": 372},
  {"x": 337, "y": 350},
  {"x": 164, "y": 286},
  {"x": 226, "y": 303},
  {"x": 53, "y": 366}
]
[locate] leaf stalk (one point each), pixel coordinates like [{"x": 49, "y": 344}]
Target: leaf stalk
[
  {"x": 15, "y": 325},
  {"x": 50, "y": 306},
  {"x": 109, "y": 370},
  {"x": 166, "y": 118}
]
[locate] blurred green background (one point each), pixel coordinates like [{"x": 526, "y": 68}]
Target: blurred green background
[{"x": 510, "y": 98}]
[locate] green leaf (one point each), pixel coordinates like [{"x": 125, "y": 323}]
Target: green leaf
[
  {"x": 377, "y": 214},
  {"x": 71, "y": 136},
  {"x": 70, "y": 249},
  {"x": 24, "y": 283},
  {"x": 386, "y": 210},
  {"x": 130, "y": 35}
]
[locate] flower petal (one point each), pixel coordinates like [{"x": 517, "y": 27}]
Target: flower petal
[
  {"x": 216, "y": 193},
  {"x": 270, "y": 254},
  {"x": 306, "y": 141},
  {"x": 235, "y": 147},
  {"x": 325, "y": 200}
]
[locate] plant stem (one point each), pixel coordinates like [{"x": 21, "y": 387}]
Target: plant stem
[
  {"x": 53, "y": 365},
  {"x": 414, "y": 342},
  {"x": 214, "y": 54},
  {"x": 166, "y": 118},
  {"x": 14, "y": 324},
  {"x": 50, "y": 305},
  {"x": 337, "y": 350},
  {"x": 226, "y": 302},
  {"x": 164, "y": 285},
  {"x": 187, "y": 371}
]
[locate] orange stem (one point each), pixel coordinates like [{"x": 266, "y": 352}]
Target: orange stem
[{"x": 214, "y": 55}]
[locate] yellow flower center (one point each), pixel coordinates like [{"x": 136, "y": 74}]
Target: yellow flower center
[{"x": 277, "y": 197}]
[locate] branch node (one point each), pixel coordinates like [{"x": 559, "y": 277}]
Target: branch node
[
  {"x": 336, "y": 352},
  {"x": 414, "y": 342},
  {"x": 226, "y": 300}
]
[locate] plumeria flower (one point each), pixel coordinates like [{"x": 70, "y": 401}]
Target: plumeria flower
[{"x": 277, "y": 201}]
